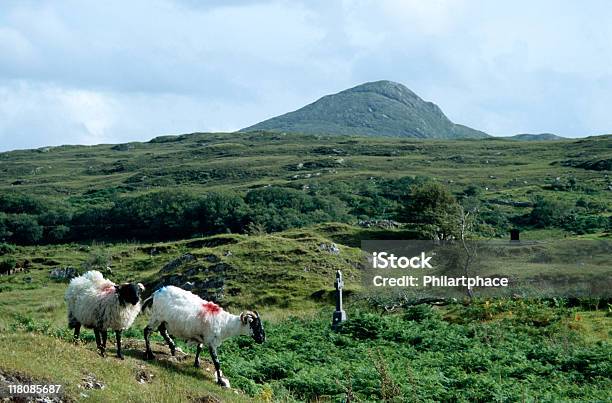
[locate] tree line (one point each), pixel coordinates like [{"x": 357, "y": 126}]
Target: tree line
[{"x": 175, "y": 214}]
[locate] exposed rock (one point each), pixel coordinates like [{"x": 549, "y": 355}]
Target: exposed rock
[
  {"x": 90, "y": 382},
  {"x": 330, "y": 248},
  {"x": 386, "y": 224},
  {"x": 143, "y": 376},
  {"x": 65, "y": 273},
  {"x": 592, "y": 165},
  {"x": 210, "y": 258},
  {"x": 174, "y": 263},
  {"x": 7, "y": 378}
]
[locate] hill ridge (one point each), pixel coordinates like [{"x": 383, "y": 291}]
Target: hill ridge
[{"x": 377, "y": 108}]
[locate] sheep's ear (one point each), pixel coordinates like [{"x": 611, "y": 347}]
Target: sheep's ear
[{"x": 141, "y": 286}]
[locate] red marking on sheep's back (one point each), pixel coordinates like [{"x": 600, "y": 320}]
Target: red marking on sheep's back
[
  {"x": 210, "y": 308},
  {"x": 107, "y": 289}
]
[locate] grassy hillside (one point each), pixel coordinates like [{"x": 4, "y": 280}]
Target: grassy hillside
[
  {"x": 207, "y": 161},
  {"x": 221, "y": 182},
  {"x": 535, "y": 137},
  {"x": 490, "y": 349},
  {"x": 250, "y": 220}
]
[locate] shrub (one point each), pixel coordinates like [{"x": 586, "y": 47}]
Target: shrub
[
  {"x": 24, "y": 228},
  {"x": 420, "y": 313},
  {"x": 363, "y": 327},
  {"x": 6, "y": 248},
  {"x": 7, "y": 264},
  {"x": 549, "y": 212}
]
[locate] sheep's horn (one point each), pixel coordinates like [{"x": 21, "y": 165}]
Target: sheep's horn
[
  {"x": 141, "y": 286},
  {"x": 256, "y": 313}
]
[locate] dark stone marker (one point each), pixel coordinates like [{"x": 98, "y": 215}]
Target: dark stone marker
[
  {"x": 339, "y": 315},
  {"x": 514, "y": 235}
]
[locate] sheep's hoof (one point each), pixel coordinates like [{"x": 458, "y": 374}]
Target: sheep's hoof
[
  {"x": 197, "y": 364},
  {"x": 120, "y": 356},
  {"x": 149, "y": 355},
  {"x": 223, "y": 382}
]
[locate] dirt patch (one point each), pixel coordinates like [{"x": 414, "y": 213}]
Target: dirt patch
[
  {"x": 89, "y": 381},
  {"x": 143, "y": 376},
  {"x": 16, "y": 378}
]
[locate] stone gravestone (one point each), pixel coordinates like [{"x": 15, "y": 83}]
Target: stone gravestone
[{"x": 339, "y": 314}]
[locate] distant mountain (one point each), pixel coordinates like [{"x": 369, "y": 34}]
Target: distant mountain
[
  {"x": 535, "y": 137},
  {"x": 380, "y": 108}
]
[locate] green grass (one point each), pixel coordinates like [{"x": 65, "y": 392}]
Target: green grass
[
  {"x": 498, "y": 351},
  {"x": 57, "y": 361},
  {"x": 214, "y": 161}
]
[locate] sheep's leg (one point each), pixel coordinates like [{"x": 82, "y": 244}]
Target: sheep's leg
[
  {"x": 197, "y": 358},
  {"x": 220, "y": 380},
  {"x": 77, "y": 332},
  {"x": 118, "y": 337},
  {"x": 74, "y": 324},
  {"x": 99, "y": 342},
  {"x": 104, "y": 334},
  {"x": 148, "y": 353},
  {"x": 164, "y": 332}
]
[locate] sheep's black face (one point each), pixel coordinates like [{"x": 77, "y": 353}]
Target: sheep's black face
[
  {"x": 259, "y": 335},
  {"x": 129, "y": 293}
]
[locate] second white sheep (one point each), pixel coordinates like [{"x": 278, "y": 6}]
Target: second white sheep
[{"x": 189, "y": 317}]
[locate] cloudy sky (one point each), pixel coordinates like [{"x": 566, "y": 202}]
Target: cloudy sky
[{"x": 105, "y": 72}]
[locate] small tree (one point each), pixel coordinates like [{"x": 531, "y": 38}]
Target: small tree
[{"x": 431, "y": 204}]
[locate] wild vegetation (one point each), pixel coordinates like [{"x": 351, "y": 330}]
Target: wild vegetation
[
  {"x": 263, "y": 220},
  {"x": 184, "y": 186}
]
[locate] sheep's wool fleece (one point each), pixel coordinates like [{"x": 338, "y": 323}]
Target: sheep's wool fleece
[
  {"x": 93, "y": 301},
  {"x": 189, "y": 317}
]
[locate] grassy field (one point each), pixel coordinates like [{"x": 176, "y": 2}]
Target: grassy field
[
  {"x": 209, "y": 161},
  {"x": 499, "y": 349},
  {"x": 485, "y": 351}
]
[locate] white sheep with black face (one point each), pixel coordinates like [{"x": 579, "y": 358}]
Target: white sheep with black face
[
  {"x": 189, "y": 317},
  {"x": 100, "y": 304}
]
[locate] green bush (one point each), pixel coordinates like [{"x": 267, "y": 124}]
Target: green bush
[
  {"x": 7, "y": 264},
  {"x": 420, "y": 313},
  {"x": 419, "y": 356},
  {"x": 6, "y": 248},
  {"x": 549, "y": 212},
  {"x": 363, "y": 327}
]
